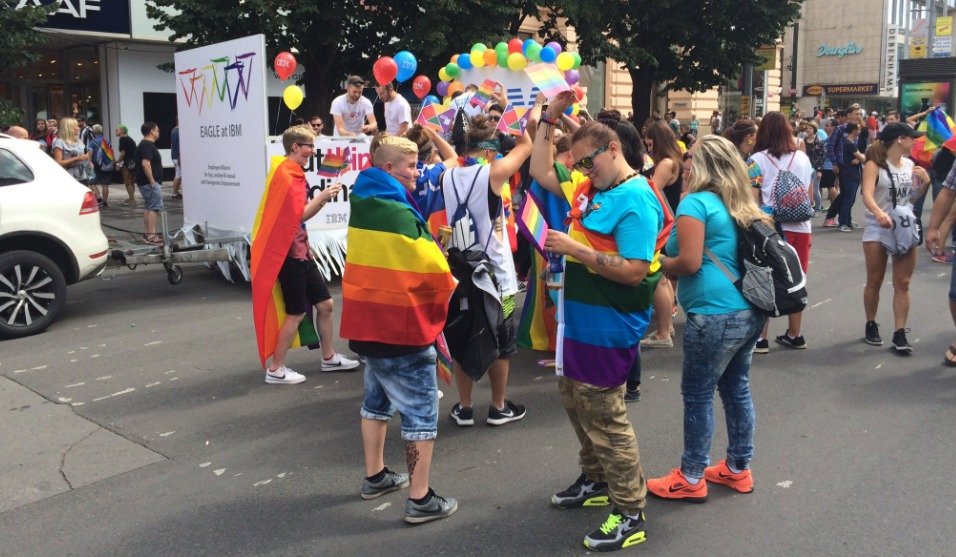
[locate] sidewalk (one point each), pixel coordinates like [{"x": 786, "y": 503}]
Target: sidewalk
[{"x": 130, "y": 217}]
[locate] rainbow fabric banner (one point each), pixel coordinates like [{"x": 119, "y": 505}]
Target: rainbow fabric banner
[
  {"x": 397, "y": 284},
  {"x": 444, "y": 359},
  {"x": 548, "y": 78},
  {"x": 107, "y": 149},
  {"x": 532, "y": 223},
  {"x": 439, "y": 117},
  {"x": 483, "y": 95},
  {"x": 277, "y": 221},
  {"x": 334, "y": 164}
]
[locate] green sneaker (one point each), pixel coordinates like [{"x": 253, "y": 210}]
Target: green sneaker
[{"x": 617, "y": 532}]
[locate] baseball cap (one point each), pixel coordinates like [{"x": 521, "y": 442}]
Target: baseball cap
[{"x": 896, "y": 130}]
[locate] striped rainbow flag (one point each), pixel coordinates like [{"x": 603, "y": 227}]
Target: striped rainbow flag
[
  {"x": 107, "y": 149},
  {"x": 397, "y": 284},
  {"x": 940, "y": 131},
  {"x": 278, "y": 219}
]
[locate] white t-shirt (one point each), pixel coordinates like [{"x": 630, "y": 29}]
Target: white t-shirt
[
  {"x": 499, "y": 246},
  {"x": 801, "y": 167},
  {"x": 353, "y": 115},
  {"x": 397, "y": 111},
  {"x": 902, "y": 177}
]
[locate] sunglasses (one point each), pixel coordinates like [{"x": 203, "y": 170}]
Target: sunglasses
[
  {"x": 587, "y": 163},
  {"x": 309, "y": 145},
  {"x": 494, "y": 118},
  {"x": 316, "y": 124}
]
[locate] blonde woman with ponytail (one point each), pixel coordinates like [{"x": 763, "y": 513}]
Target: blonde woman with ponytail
[{"x": 721, "y": 327}]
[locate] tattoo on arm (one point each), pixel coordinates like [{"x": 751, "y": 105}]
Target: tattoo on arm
[
  {"x": 411, "y": 456},
  {"x": 605, "y": 260}
]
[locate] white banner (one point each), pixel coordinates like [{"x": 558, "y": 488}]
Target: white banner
[
  {"x": 221, "y": 102},
  {"x": 518, "y": 87},
  {"x": 891, "y": 60}
]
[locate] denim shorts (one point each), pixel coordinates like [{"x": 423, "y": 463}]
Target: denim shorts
[
  {"x": 406, "y": 384},
  {"x": 153, "y": 196},
  {"x": 952, "y": 280}
]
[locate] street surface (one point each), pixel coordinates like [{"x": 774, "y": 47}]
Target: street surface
[{"x": 139, "y": 424}]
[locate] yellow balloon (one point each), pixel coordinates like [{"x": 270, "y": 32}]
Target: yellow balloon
[
  {"x": 292, "y": 96},
  {"x": 517, "y": 62},
  {"x": 565, "y": 61},
  {"x": 477, "y": 58},
  {"x": 443, "y": 75}
]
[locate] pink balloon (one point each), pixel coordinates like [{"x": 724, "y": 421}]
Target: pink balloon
[
  {"x": 572, "y": 76},
  {"x": 555, "y": 46},
  {"x": 284, "y": 65}
]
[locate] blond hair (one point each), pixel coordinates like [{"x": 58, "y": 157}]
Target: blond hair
[
  {"x": 297, "y": 134},
  {"x": 718, "y": 168},
  {"x": 390, "y": 148},
  {"x": 66, "y": 130}
]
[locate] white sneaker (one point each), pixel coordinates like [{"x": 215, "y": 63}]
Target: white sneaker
[
  {"x": 338, "y": 362},
  {"x": 283, "y": 376}
]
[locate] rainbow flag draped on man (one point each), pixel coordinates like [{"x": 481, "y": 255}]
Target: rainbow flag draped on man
[
  {"x": 397, "y": 283},
  {"x": 278, "y": 219}
]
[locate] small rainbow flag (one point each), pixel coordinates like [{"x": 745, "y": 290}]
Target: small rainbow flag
[
  {"x": 483, "y": 95},
  {"x": 107, "y": 150},
  {"x": 334, "y": 164},
  {"x": 548, "y": 79},
  {"x": 444, "y": 359},
  {"x": 532, "y": 224}
]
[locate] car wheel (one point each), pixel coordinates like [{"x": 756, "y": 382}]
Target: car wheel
[{"x": 32, "y": 293}]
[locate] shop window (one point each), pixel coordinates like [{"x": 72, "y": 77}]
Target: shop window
[
  {"x": 161, "y": 108},
  {"x": 12, "y": 171}
]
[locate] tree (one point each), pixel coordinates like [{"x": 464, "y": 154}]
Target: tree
[
  {"x": 683, "y": 45},
  {"x": 20, "y": 41},
  {"x": 334, "y": 39}
]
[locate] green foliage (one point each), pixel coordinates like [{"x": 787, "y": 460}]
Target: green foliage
[
  {"x": 19, "y": 40},
  {"x": 10, "y": 114}
]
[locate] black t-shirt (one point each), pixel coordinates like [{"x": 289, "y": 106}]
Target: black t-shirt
[
  {"x": 127, "y": 145},
  {"x": 849, "y": 171},
  {"x": 147, "y": 150}
]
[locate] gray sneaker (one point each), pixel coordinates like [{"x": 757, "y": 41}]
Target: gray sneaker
[
  {"x": 435, "y": 508},
  {"x": 391, "y": 482}
]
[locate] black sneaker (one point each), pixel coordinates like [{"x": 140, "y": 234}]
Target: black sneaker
[
  {"x": 462, "y": 415},
  {"x": 391, "y": 482},
  {"x": 632, "y": 396},
  {"x": 511, "y": 413},
  {"x": 786, "y": 340},
  {"x": 582, "y": 493},
  {"x": 899, "y": 342},
  {"x": 762, "y": 346},
  {"x": 873, "y": 334},
  {"x": 617, "y": 532},
  {"x": 435, "y": 508}
]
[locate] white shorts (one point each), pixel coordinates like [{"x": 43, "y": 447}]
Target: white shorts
[{"x": 179, "y": 169}]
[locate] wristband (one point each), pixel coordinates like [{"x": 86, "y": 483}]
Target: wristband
[{"x": 546, "y": 120}]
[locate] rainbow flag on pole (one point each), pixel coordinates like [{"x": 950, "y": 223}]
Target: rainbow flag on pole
[
  {"x": 532, "y": 224},
  {"x": 940, "y": 131},
  {"x": 277, "y": 221}
]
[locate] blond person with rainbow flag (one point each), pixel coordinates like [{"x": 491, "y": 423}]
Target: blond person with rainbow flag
[
  {"x": 285, "y": 279},
  {"x": 395, "y": 294}
]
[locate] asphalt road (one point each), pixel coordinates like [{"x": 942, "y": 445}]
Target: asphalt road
[{"x": 139, "y": 424}]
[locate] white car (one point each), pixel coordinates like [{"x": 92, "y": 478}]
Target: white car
[{"x": 50, "y": 236}]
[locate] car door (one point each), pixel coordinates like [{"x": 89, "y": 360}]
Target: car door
[{"x": 13, "y": 174}]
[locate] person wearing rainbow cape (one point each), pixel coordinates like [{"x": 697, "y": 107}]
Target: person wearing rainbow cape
[
  {"x": 395, "y": 293},
  {"x": 611, "y": 255}
]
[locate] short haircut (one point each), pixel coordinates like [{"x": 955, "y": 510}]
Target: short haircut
[
  {"x": 355, "y": 80},
  {"x": 563, "y": 145},
  {"x": 97, "y": 129},
  {"x": 496, "y": 107},
  {"x": 314, "y": 117},
  {"x": 147, "y": 127},
  {"x": 851, "y": 127},
  {"x": 296, "y": 134},
  {"x": 123, "y": 129},
  {"x": 81, "y": 118},
  {"x": 390, "y": 147}
]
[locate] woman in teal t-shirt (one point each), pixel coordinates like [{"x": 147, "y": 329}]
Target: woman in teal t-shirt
[{"x": 721, "y": 327}]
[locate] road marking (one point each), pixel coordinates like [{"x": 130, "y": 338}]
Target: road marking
[
  {"x": 155, "y": 342},
  {"x": 170, "y": 371},
  {"x": 263, "y": 482},
  {"x": 129, "y": 390},
  {"x": 382, "y": 507},
  {"x": 63, "y": 399},
  {"x": 878, "y": 366},
  {"x": 154, "y": 384},
  {"x": 104, "y": 377},
  {"x": 785, "y": 484},
  {"x": 219, "y": 472},
  {"x": 19, "y": 370},
  {"x": 167, "y": 434},
  {"x": 95, "y": 356},
  {"x": 205, "y": 464},
  {"x": 282, "y": 475},
  {"x": 75, "y": 385},
  {"x": 39, "y": 367}
]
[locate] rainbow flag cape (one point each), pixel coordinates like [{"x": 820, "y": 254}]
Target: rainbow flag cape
[
  {"x": 548, "y": 78},
  {"x": 439, "y": 117},
  {"x": 532, "y": 224},
  {"x": 278, "y": 219},
  {"x": 334, "y": 163},
  {"x": 601, "y": 321},
  {"x": 514, "y": 120},
  {"x": 107, "y": 150},
  {"x": 397, "y": 284}
]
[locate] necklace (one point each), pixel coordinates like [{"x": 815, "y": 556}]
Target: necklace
[{"x": 626, "y": 178}]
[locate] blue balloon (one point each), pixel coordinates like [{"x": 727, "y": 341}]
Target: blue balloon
[
  {"x": 464, "y": 61},
  {"x": 526, "y": 44},
  {"x": 407, "y": 65},
  {"x": 430, "y": 99},
  {"x": 548, "y": 55}
]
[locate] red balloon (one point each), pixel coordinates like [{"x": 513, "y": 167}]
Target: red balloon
[
  {"x": 515, "y": 45},
  {"x": 421, "y": 85},
  {"x": 578, "y": 92},
  {"x": 284, "y": 65},
  {"x": 385, "y": 70}
]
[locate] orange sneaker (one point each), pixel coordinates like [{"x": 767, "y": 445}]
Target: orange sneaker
[
  {"x": 721, "y": 474},
  {"x": 675, "y": 486}
]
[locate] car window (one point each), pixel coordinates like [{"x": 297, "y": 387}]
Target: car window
[{"x": 12, "y": 171}]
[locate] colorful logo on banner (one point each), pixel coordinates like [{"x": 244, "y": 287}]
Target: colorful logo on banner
[
  {"x": 223, "y": 80},
  {"x": 514, "y": 120},
  {"x": 438, "y": 117}
]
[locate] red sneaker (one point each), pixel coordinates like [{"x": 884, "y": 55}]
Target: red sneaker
[
  {"x": 675, "y": 486},
  {"x": 721, "y": 474}
]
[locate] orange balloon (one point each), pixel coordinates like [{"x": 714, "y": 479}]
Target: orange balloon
[
  {"x": 491, "y": 57},
  {"x": 454, "y": 58},
  {"x": 454, "y": 87}
]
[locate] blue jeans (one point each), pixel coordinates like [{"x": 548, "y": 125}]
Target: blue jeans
[
  {"x": 717, "y": 352},
  {"x": 406, "y": 384},
  {"x": 817, "y": 198},
  {"x": 848, "y": 198}
]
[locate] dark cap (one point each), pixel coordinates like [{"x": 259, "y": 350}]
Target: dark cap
[
  {"x": 896, "y": 130},
  {"x": 355, "y": 80}
]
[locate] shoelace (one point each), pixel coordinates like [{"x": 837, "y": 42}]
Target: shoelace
[{"x": 612, "y": 522}]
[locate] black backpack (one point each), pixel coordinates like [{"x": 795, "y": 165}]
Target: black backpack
[{"x": 773, "y": 280}]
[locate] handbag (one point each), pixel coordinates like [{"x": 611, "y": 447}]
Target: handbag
[{"x": 906, "y": 233}]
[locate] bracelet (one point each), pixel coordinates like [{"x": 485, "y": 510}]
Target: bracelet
[{"x": 546, "y": 120}]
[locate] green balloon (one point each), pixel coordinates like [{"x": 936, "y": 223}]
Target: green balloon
[
  {"x": 502, "y": 56},
  {"x": 501, "y": 47},
  {"x": 534, "y": 52},
  {"x": 577, "y": 60},
  {"x": 452, "y": 69},
  {"x": 480, "y": 47}
]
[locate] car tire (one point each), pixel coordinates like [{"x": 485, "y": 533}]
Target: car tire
[{"x": 32, "y": 293}]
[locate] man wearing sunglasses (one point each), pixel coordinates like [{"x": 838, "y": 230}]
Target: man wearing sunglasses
[
  {"x": 315, "y": 122},
  {"x": 351, "y": 110},
  {"x": 280, "y": 252}
]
